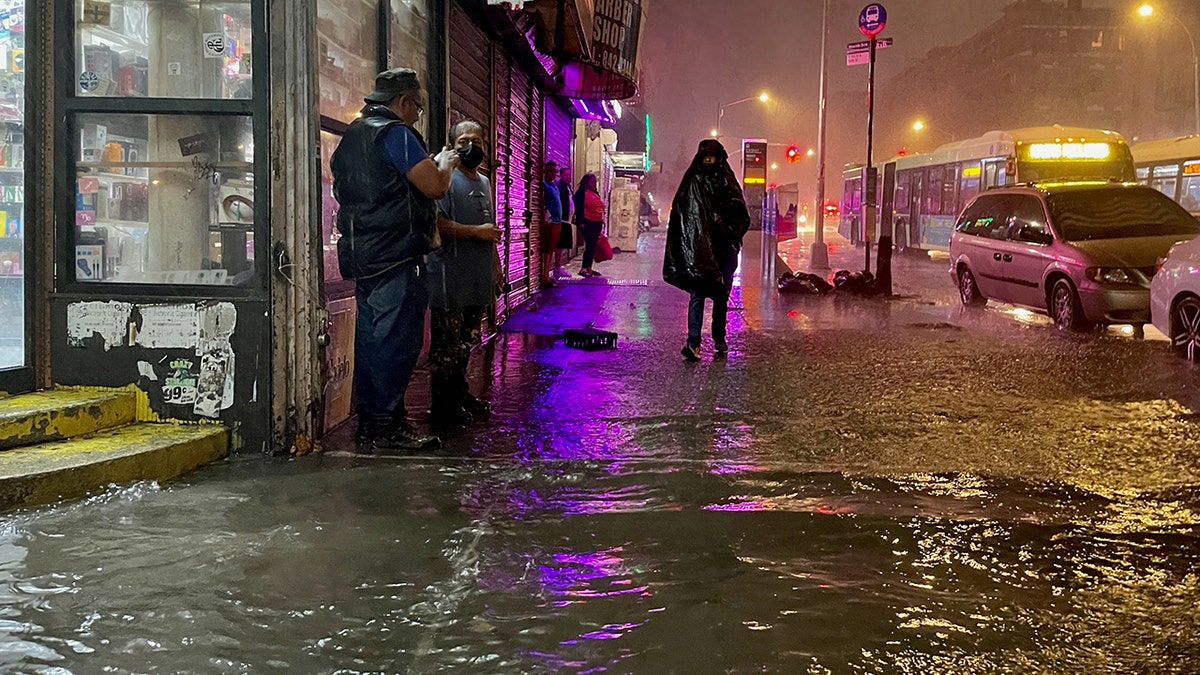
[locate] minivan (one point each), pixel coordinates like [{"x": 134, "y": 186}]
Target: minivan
[{"x": 1082, "y": 252}]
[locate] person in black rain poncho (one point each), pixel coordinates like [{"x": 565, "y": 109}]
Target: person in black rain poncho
[{"x": 708, "y": 220}]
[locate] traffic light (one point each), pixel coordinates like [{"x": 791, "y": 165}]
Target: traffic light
[{"x": 793, "y": 155}]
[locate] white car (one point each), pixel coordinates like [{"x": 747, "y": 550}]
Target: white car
[{"x": 1175, "y": 298}]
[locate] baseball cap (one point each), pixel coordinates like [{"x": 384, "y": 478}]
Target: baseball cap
[{"x": 391, "y": 83}]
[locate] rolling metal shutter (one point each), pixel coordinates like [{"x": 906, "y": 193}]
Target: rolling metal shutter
[
  {"x": 518, "y": 194},
  {"x": 470, "y": 71},
  {"x": 559, "y": 126}
]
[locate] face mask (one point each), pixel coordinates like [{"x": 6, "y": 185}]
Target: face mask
[{"x": 470, "y": 156}]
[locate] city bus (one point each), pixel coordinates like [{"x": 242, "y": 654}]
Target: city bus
[
  {"x": 1171, "y": 166},
  {"x": 922, "y": 195}
]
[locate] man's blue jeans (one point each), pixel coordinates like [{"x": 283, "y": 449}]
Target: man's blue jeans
[{"x": 387, "y": 343}]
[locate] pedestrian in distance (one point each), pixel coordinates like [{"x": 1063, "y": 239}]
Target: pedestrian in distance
[
  {"x": 704, "y": 237},
  {"x": 463, "y": 277},
  {"x": 387, "y": 184},
  {"x": 552, "y": 222},
  {"x": 566, "y": 240},
  {"x": 589, "y": 215}
]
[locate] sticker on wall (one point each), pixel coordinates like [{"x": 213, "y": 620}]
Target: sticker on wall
[
  {"x": 215, "y": 384},
  {"x": 168, "y": 327},
  {"x": 108, "y": 320},
  {"x": 89, "y": 81},
  {"x": 96, "y": 13},
  {"x": 214, "y": 45},
  {"x": 179, "y": 386},
  {"x": 214, "y": 388}
]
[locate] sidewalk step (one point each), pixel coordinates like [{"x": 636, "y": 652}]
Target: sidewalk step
[
  {"x": 29, "y": 419},
  {"x": 67, "y": 469}
]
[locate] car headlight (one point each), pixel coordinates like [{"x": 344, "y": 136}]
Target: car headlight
[{"x": 1113, "y": 275}]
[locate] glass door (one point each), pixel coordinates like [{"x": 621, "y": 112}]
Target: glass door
[{"x": 16, "y": 372}]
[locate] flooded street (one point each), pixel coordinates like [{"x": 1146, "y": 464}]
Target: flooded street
[{"x": 860, "y": 487}]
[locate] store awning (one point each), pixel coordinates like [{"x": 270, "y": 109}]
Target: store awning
[
  {"x": 610, "y": 72},
  {"x": 564, "y": 27}
]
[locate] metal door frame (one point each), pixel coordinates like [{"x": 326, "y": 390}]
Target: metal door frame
[{"x": 23, "y": 378}]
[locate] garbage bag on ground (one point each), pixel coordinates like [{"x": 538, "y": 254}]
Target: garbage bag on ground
[
  {"x": 858, "y": 283},
  {"x": 803, "y": 284}
]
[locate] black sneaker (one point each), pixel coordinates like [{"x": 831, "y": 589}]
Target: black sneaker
[
  {"x": 476, "y": 407},
  {"x": 690, "y": 353},
  {"x": 721, "y": 349},
  {"x": 403, "y": 438}
]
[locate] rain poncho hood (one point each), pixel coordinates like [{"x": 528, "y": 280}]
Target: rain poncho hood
[{"x": 708, "y": 221}]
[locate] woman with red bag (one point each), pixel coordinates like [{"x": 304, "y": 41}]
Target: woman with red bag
[{"x": 589, "y": 216}]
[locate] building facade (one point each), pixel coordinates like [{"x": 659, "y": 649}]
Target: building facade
[{"x": 169, "y": 219}]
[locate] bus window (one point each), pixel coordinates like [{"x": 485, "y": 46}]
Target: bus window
[
  {"x": 901, "y": 202},
  {"x": 1189, "y": 194},
  {"x": 1143, "y": 175},
  {"x": 933, "y": 191},
  {"x": 970, "y": 176},
  {"x": 949, "y": 188},
  {"x": 1164, "y": 179}
]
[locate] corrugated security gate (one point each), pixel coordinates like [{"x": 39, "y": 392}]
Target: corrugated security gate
[
  {"x": 558, "y": 141},
  {"x": 518, "y": 178},
  {"x": 489, "y": 86}
]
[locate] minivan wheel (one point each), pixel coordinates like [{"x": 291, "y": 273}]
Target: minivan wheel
[
  {"x": 1185, "y": 328},
  {"x": 968, "y": 290},
  {"x": 1066, "y": 309}
]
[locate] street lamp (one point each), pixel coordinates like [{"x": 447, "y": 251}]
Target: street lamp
[
  {"x": 716, "y": 133},
  {"x": 1146, "y": 11},
  {"x": 921, "y": 126}
]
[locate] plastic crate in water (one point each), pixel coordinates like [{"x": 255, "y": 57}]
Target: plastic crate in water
[{"x": 590, "y": 338}]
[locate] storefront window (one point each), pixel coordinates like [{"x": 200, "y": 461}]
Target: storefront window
[
  {"x": 334, "y": 284},
  {"x": 164, "y": 199},
  {"x": 12, "y": 183},
  {"x": 409, "y": 28},
  {"x": 348, "y": 56},
  {"x": 163, "y": 48}
]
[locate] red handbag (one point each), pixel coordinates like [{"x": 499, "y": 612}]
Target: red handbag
[{"x": 604, "y": 250}]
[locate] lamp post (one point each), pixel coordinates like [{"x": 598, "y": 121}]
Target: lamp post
[
  {"x": 819, "y": 256},
  {"x": 1146, "y": 11},
  {"x": 716, "y": 132}
]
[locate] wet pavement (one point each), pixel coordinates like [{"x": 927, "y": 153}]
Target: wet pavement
[{"x": 861, "y": 486}]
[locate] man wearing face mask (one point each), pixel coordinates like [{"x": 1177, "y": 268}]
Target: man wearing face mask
[
  {"x": 463, "y": 276},
  {"x": 708, "y": 220},
  {"x": 386, "y": 184}
]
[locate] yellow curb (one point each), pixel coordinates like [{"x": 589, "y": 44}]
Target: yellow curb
[{"x": 69, "y": 469}]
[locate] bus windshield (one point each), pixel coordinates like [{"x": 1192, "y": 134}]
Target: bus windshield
[{"x": 1112, "y": 213}]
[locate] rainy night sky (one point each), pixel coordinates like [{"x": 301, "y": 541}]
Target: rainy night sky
[{"x": 697, "y": 53}]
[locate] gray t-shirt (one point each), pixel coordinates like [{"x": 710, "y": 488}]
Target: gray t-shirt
[{"x": 463, "y": 272}]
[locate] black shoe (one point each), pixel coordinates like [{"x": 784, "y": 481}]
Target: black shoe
[
  {"x": 476, "y": 407},
  {"x": 402, "y": 439},
  {"x": 720, "y": 349},
  {"x": 690, "y": 353}
]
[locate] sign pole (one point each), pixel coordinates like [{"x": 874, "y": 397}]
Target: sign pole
[
  {"x": 868, "y": 171},
  {"x": 871, "y": 21}
]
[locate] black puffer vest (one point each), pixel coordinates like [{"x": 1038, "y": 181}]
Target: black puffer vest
[{"x": 384, "y": 219}]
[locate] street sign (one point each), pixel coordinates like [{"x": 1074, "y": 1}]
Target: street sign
[
  {"x": 859, "y": 53},
  {"x": 872, "y": 19}
]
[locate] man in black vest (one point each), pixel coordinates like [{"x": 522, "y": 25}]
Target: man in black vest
[{"x": 387, "y": 184}]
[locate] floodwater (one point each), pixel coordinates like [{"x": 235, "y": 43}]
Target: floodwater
[{"x": 858, "y": 488}]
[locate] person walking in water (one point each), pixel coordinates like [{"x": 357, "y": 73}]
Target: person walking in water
[
  {"x": 704, "y": 236},
  {"x": 589, "y": 215}
]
